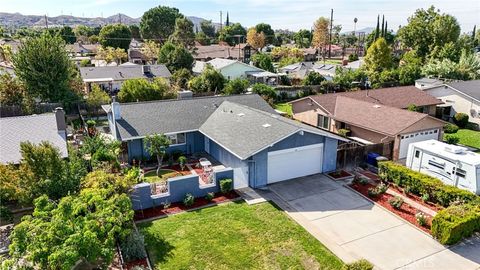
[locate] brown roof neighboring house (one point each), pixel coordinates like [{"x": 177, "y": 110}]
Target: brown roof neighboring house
[
  {"x": 398, "y": 97},
  {"x": 380, "y": 118},
  {"x": 223, "y": 50}
]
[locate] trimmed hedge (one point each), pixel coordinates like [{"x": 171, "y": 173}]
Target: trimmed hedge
[
  {"x": 450, "y": 128},
  {"x": 456, "y": 222},
  {"x": 226, "y": 185},
  {"x": 421, "y": 184},
  {"x": 358, "y": 265}
]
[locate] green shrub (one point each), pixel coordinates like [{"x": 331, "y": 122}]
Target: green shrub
[
  {"x": 5, "y": 214},
  {"x": 461, "y": 119},
  {"x": 456, "y": 222},
  {"x": 452, "y": 139},
  {"x": 396, "y": 202},
  {"x": 421, "y": 184},
  {"x": 358, "y": 265},
  {"x": 210, "y": 195},
  {"x": 133, "y": 247},
  {"x": 343, "y": 132},
  {"x": 188, "y": 200},
  {"x": 421, "y": 219},
  {"x": 450, "y": 128},
  {"x": 352, "y": 57},
  {"x": 425, "y": 197},
  {"x": 380, "y": 189},
  {"x": 91, "y": 123},
  {"x": 226, "y": 185},
  {"x": 182, "y": 160}
]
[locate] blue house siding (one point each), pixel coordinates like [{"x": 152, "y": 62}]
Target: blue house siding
[
  {"x": 330, "y": 155},
  {"x": 240, "y": 167},
  {"x": 193, "y": 143},
  {"x": 297, "y": 140}
]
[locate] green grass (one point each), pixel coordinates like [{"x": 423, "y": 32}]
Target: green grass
[
  {"x": 284, "y": 107},
  {"x": 469, "y": 137},
  {"x": 151, "y": 177},
  {"x": 234, "y": 236}
]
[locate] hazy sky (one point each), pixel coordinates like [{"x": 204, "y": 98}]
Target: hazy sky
[{"x": 284, "y": 14}]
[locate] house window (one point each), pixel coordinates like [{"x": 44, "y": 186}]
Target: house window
[
  {"x": 461, "y": 173},
  {"x": 178, "y": 138},
  {"x": 323, "y": 121},
  {"x": 417, "y": 153}
]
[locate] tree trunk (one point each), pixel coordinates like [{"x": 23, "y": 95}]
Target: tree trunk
[{"x": 159, "y": 164}]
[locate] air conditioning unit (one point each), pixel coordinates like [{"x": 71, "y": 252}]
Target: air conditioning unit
[{"x": 455, "y": 149}]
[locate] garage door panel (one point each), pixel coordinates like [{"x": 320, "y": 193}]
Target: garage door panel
[
  {"x": 295, "y": 162},
  {"x": 407, "y": 139}
]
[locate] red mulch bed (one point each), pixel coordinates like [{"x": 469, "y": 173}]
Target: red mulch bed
[
  {"x": 178, "y": 207},
  {"x": 141, "y": 262},
  {"x": 340, "y": 174},
  {"x": 417, "y": 199},
  {"x": 406, "y": 212}
]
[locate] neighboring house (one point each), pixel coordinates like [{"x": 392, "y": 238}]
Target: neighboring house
[
  {"x": 242, "y": 132},
  {"x": 301, "y": 70},
  {"x": 232, "y": 69},
  {"x": 458, "y": 97},
  {"x": 369, "y": 120},
  {"x": 241, "y": 52},
  {"x": 48, "y": 127},
  {"x": 80, "y": 49},
  {"x": 136, "y": 56},
  {"x": 424, "y": 83},
  {"x": 110, "y": 78}
]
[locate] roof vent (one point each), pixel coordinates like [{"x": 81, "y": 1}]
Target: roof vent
[
  {"x": 455, "y": 149},
  {"x": 240, "y": 114},
  {"x": 266, "y": 125},
  {"x": 377, "y": 106}
]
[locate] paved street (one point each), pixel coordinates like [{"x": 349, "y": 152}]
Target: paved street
[{"x": 353, "y": 228}]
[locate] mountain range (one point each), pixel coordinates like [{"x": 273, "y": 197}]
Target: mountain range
[{"x": 16, "y": 20}]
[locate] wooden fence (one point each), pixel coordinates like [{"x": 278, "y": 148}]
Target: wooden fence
[{"x": 353, "y": 154}]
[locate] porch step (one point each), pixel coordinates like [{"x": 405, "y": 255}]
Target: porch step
[{"x": 250, "y": 196}]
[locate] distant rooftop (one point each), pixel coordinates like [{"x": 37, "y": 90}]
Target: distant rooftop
[{"x": 123, "y": 72}]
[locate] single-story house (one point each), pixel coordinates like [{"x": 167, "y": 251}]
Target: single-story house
[
  {"x": 240, "y": 52},
  {"x": 369, "y": 120},
  {"x": 80, "y": 49},
  {"x": 458, "y": 97},
  {"x": 110, "y": 78},
  {"x": 300, "y": 70},
  {"x": 232, "y": 69},
  {"x": 48, "y": 127},
  {"x": 242, "y": 132}
]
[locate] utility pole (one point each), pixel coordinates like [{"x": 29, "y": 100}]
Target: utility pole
[
  {"x": 46, "y": 21},
  {"x": 330, "y": 39},
  {"x": 119, "y": 18},
  {"x": 238, "y": 36}
]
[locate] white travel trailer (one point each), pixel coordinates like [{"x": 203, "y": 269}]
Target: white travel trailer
[{"x": 454, "y": 165}]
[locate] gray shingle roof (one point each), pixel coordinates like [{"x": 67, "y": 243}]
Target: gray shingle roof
[
  {"x": 245, "y": 131},
  {"x": 169, "y": 116},
  {"x": 119, "y": 73},
  {"x": 33, "y": 128},
  {"x": 469, "y": 88}
]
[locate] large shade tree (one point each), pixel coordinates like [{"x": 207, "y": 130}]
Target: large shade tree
[
  {"x": 208, "y": 28},
  {"x": 183, "y": 33},
  {"x": 79, "y": 230},
  {"x": 267, "y": 31},
  {"x": 116, "y": 36},
  {"x": 134, "y": 90},
  {"x": 321, "y": 34},
  {"x": 159, "y": 22},
  {"x": 43, "y": 65},
  {"x": 232, "y": 34},
  {"x": 175, "y": 57},
  {"x": 210, "y": 80}
]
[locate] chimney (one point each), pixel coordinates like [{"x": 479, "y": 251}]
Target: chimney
[
  {"x": 116, "y": 110},
  {"x": 60, "y": 118},
  {"x": 146, "y": 69}
]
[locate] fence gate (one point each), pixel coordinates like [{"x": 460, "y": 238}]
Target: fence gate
[{"x": 352, "y": 154}]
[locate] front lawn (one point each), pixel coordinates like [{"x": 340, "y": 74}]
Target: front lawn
[
  {"x": 234, "y": 236},
  {"x": 284, "y": 107},
  {"x": 469, "y": 137}
]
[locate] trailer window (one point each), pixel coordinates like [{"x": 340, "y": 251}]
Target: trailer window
[
  {"x": 436, "y": 164},
  {"x": 417, "y": 153},
  {"x": 461, "y": 173}
]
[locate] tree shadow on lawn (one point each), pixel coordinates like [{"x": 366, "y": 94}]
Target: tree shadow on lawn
[{"x": 159, "y": 250}]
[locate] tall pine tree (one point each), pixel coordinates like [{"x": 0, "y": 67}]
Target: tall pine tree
[
  {"x": 377, "y": 30},
  {"x": 227, "y": 22},
  {"x": 386, "y": 29},
  {"x": 382, "y": 34}
]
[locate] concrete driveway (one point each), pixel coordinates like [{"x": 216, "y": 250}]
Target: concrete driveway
[{"x": 354, "y": 228}]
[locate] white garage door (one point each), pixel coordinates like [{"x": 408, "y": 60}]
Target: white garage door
[
  {"x": 295, "y": 162},
  {"x": 407, "y": 139}
]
